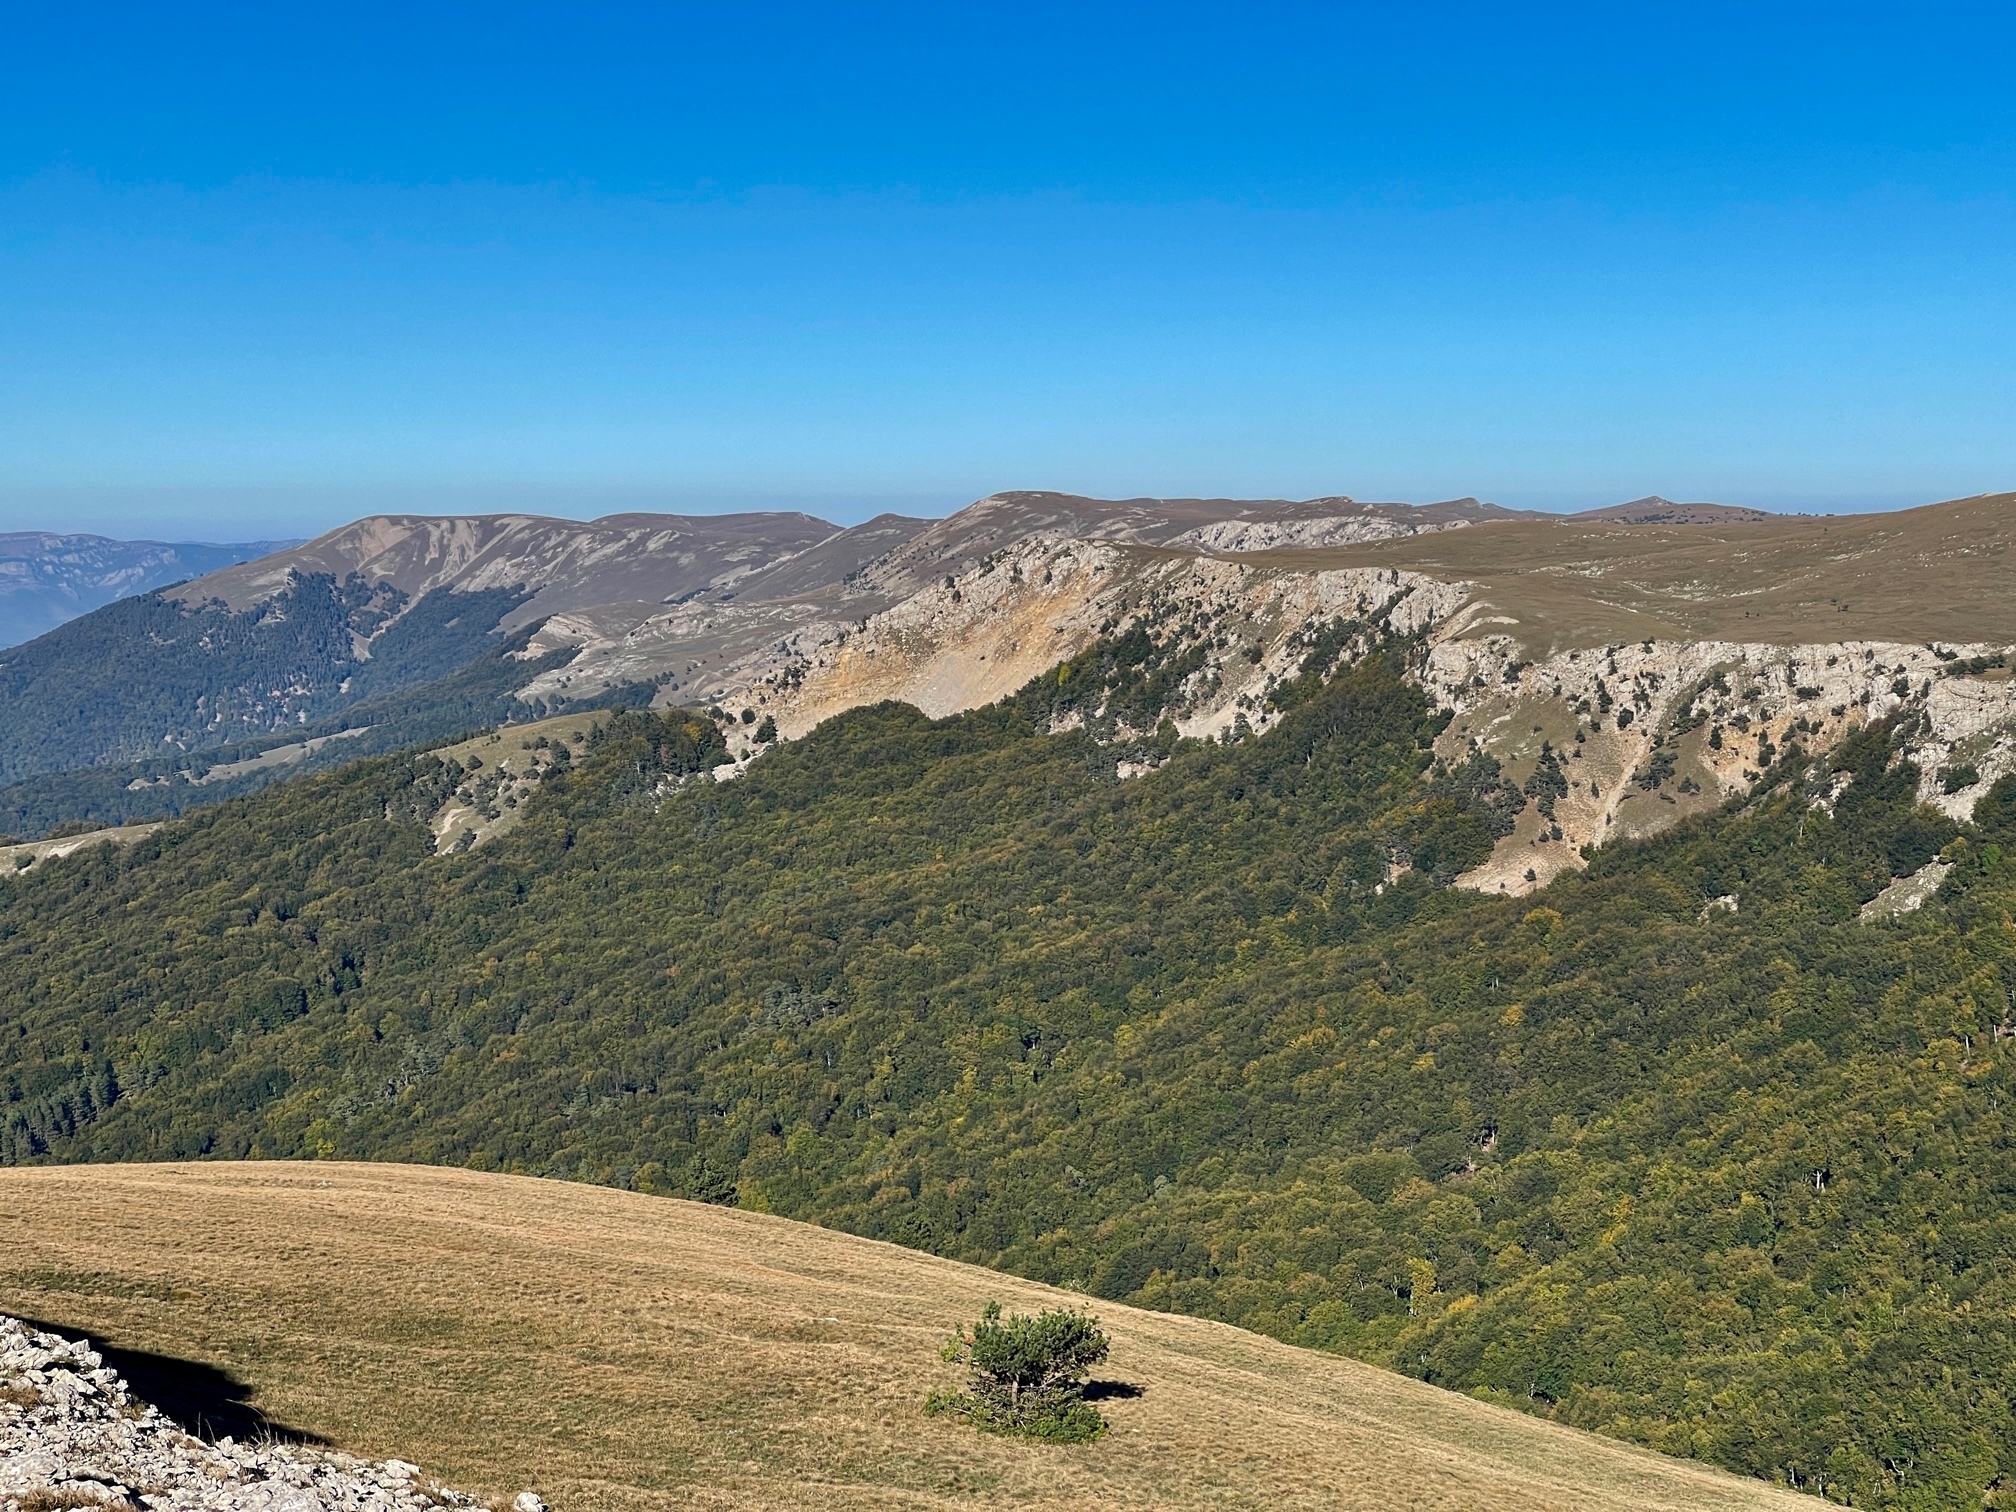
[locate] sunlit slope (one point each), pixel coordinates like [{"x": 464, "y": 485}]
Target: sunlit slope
[
  {"x": 1943, "y": 572},
  {"x": 623, "y": 1351}
]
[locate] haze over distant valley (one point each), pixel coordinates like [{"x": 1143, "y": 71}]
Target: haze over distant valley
[{"x": 48, "y": 578}]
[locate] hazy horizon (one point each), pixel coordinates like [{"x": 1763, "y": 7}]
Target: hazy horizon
[
  {"x": 324, "y": 516},
  {"x": 261, "y": 272}
]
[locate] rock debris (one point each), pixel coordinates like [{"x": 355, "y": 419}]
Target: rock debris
[{"x": 72, "y": 1435}]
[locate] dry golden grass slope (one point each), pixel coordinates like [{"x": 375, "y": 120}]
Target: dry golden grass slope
[
  {"x": 621, "y": 1351},
  {"x": 1942, "y": 572}
]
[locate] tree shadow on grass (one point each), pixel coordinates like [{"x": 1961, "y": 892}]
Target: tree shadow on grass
[
  {"x": 202, "y": 1400},
  {"x": 1113, "y": 1391}
]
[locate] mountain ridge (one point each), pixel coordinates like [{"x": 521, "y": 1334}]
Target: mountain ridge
[
  {"x": 49, "y": 577},
  {"x": 950, "y": 614},
  {"x": 633, "y": 599},
  {"x": 623, "y": 557}
]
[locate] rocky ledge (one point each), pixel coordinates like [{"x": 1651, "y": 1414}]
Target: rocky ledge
[{"x": 73, "y": 1436}]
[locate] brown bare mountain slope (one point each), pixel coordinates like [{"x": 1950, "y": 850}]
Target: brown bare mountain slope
[
  {"x": 645, "y": 558},
  {"x": 831, "y": 566},
  {"x": 622, "y": 1351},
  {"x": 1653, "y": 510},
  {"x": 1942, "y": 572}
]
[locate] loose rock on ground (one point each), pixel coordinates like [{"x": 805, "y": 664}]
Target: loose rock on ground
[{"x": 72, "y": 1435}]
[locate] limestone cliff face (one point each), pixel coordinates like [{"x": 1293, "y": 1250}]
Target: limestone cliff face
[
  {"x": 1646, "y": 734},
  {"x": 901, "y": 584},
  {"x": 1304, "y": 534},
  {"x": 981, "y": 636},
  {"x": 1634, "y": 737}
]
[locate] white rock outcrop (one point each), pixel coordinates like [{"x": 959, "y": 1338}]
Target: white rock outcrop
[
  {"x": 72, "y": 1435},
  {"x": 1907, "y": 894}
]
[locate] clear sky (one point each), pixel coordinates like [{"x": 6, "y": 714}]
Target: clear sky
[{"x": 266, "y": 268}]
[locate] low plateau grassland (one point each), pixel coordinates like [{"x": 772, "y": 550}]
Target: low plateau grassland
[
  {"x": 621, "y": 1351},
  {"x": 1939, "y": 573}
]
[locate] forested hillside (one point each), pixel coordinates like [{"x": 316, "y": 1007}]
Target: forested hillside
[
  {"x": 47, "y": 578},
  {"x": 149, "y": 672},
  {"x": 1678, "y": 1149},
  {"x": 473, "y": 697}
]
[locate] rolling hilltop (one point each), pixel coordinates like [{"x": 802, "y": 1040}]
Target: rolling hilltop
[
  {"x": 621, "y": 1352},
  {"x": 1561, "y": 960}
]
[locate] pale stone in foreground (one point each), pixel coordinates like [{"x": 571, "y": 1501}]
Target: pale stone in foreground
[{"x": 71, "y": 1434}]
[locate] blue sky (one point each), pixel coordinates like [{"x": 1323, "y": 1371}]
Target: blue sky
[{"x": 263, "y": 269}]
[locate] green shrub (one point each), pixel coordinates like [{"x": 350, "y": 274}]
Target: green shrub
[{"x": 1026, "y": 1376}]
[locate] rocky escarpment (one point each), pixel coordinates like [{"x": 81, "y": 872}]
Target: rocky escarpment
[
  {"x": 72, "y": 1435},
  {"x": 721, "y": 643},
  {"x": 1617, "y": 741},
  {"x": 1363, "y": 523},
  {"x": 1238, "y": 623},
  {"x": 1605, "y": 741}
]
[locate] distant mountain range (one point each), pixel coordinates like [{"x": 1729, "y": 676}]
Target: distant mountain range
[
  {"x": 46, "y": 578},
  {"x": 276, "y": 647},
  {"x": 404, "y": 629}
]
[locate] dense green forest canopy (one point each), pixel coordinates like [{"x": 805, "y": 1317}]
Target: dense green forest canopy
[
  {"x": 1734, "y": 1182},
  {"x": 478, "y": 695},
  {"x": 148, "y": 672}
]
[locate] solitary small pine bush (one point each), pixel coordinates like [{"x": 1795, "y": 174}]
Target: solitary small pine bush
[{"x": 1026, "y": 1376}]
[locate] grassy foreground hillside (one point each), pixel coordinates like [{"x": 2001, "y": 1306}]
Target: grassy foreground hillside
[{"x": 621, "y": 1351}]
